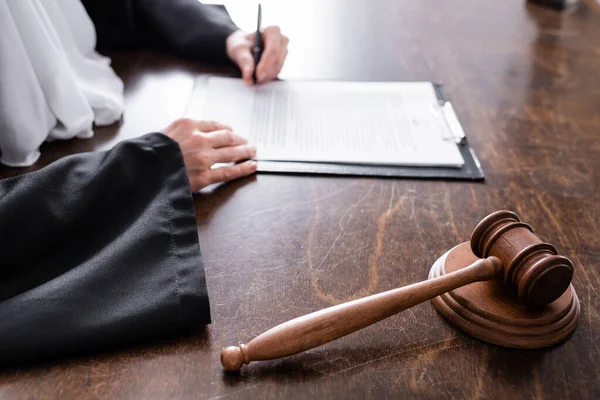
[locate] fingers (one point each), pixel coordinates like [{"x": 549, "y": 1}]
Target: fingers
[
  {"x": 239, "y": 50},
  {"x": 200, "y": 179},
  {"x": 204, "y": 143},
  {"x": 244, "y": 60},
  {"x": 183, "y": 128},
  {"x": 224, "y": 138},
  {"x": 204, "y": 159},
  {"x": 225, "y": 174},
  {"x": 209, "y": 126},
  {"x": 231, "y": 154},
  {"x": 248, "y": 70},
  {"x": 203, "y": 150},
  {"x": 273, "y": 55}
]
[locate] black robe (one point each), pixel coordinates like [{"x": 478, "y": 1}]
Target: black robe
[
  {"x": 185, "y": 27},
  {"x": 99, "y": 249}
]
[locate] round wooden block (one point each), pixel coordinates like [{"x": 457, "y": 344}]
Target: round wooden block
[{"x": 491, "y": 310}]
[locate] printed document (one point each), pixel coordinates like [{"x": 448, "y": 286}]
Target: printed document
[{"x": 377, "y": 123}]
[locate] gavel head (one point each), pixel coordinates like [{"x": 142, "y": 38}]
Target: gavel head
[{"x": 530, "y": 265}]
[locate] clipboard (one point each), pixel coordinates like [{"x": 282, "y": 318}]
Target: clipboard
[{"x": 470, "y": 171}]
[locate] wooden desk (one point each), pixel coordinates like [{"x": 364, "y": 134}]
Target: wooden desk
[{"x": 526, "y": 85}]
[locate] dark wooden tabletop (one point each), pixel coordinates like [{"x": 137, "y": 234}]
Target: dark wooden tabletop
[{"x": 526, "y": 86}]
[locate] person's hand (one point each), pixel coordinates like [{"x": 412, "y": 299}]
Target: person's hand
[
  {"x": 204, "y": 143},
  {"x": 239, "y": 49}
]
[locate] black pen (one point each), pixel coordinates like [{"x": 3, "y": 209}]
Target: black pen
[{"x": 256, "y": 50}]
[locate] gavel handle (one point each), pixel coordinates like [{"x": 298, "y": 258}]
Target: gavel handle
[{"x": 323, "y": 326}]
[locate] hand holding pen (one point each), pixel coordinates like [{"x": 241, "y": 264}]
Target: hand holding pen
[{"x": 268, "y": 46}]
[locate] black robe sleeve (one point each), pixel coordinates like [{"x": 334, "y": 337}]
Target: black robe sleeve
[
  {"x": 185, "y": 27},
  {"x": 99, "y": 249}
]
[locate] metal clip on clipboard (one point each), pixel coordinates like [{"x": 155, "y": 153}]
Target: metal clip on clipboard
[
  {"x": 454, "y": 127},
  {"x": 457, "y": 134}
]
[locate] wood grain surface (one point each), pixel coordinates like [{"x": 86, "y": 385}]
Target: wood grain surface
[{"x": 525, "y": 82}]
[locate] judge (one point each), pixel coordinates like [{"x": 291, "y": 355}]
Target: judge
[{"x": 101, "y": 248}]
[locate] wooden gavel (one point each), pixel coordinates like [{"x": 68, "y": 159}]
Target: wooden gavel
[{"x": 507, "y": 249}]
